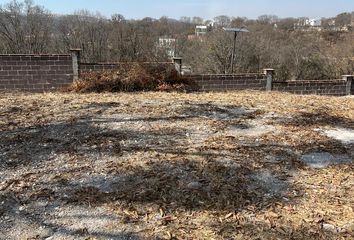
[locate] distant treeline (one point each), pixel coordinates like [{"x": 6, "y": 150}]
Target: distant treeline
[{"x": 296, "y": 53}]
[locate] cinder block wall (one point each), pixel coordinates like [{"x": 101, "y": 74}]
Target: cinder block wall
[
  {"x": 95, "y": 67},
  {"x": 327, "y": 87},
  {"x": 40, "y": 73},
  {"x": 259, "y": 82},
  {"x": 227, "y": 82},
  {"x": 35, "y": 73},
  {"x": 89, "y": 67}
]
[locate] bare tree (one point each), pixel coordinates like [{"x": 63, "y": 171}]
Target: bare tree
[
  {"x": 222, "y": 21},
  {"x": 25, "y": 28},
  {"x": 343, "y": 19},
  {"x": 295, "y": 52}
]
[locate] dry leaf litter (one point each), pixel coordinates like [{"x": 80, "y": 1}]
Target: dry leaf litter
[{"x": 240, "y": 165}]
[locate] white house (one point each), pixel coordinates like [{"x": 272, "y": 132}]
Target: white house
[
  {"x": 201, "y": 30},
  {"x": 314, "y": 22},
  {"x": 169, "y": 44}
]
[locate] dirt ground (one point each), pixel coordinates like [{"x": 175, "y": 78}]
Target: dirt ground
[{"x": 242, "y": 165}]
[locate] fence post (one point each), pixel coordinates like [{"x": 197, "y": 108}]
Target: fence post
[
  {"x": 75, "y": 55},
  {"x": 349, "y": 80},
  {"x": 178, "y": 64},
  {"x": 269, "y": 72}
]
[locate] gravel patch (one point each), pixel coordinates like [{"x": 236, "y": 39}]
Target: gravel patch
[
  {"x": 324, "y": 159},
  {"x": 344, "y": 135},
  {"x": 268, "y": 183},
  {"x": 251, "y": 128}
]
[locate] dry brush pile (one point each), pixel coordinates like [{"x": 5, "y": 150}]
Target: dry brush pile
[{"x": 132, "y": 77}]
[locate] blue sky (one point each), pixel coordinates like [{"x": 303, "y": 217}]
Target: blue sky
[{"x": 202, "y": 8}]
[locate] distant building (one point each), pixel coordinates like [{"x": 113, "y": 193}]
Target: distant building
[
  {"x": 201, "y": 30},
  {"x": 307, "y": 24},
  {"x": 169, "y": 44},
  {"x": 313, "y": 22}
]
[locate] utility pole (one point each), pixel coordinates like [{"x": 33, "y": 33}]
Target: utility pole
[
  {"x": 235, "y": 31},
  {"x": 233, "y": 54}
]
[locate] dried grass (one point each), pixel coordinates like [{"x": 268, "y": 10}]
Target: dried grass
[{"x": 170, "y": 187}]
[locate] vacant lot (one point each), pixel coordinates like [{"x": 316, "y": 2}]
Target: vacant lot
[{"x": 244, "y": 165}]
